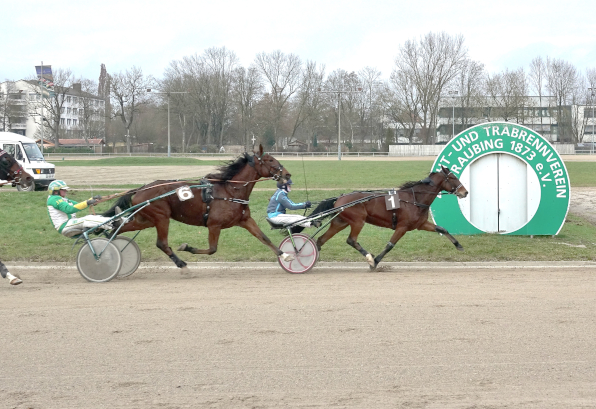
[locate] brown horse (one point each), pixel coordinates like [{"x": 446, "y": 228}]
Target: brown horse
[
  {"x": 224, "y": 207},
  {"x": 11, "y": 171},
  {"x": 414, "y": 199}
]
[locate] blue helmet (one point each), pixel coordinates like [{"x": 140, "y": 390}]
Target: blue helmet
[{"x": 283, "y": 184}]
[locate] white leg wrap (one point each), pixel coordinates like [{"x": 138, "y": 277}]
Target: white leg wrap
[
  {"x": 370, "y": 259},
  {"x": 287, "y": 257},
  {"x": 12, "y": 279}
]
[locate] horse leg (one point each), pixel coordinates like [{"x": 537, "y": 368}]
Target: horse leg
[
  {"x": 428, "y": 226},
  {"x": 162, "y": 243},
  {"x": 397, "y": 234},
  {"x": 335, "y": 227},
  {"x": 353, "y": 241},
  {"x": 250, "y": 225},
  {"x": 214, "y": 232}
]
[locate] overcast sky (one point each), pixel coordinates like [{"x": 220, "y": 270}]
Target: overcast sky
[{"x": 348, "y": 34}]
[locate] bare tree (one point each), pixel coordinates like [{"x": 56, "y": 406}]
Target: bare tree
[
  {"x": 129, "y": 93},
  {"x": 370, "y": 106},
  {"x": 52, "y": 105},
  {"x": 508, "y": 95},
  {"x": 308, "y": 99},
  {"x": 537, "y": 78},
  {"x": 247, "y": 88},
  {"x": 404, "y": 102},
  {"x": 580, "y": 97},
  {"x": 469, "y": 84},
  {"x": 282, "y": 73},
  {"x": 562, "y": 79},
  {"x": 8, "y": 111},
  {"x": 90, "y": 110},
  {"x": 430, "y": 64},
  {"x": 221, "y": 63}
]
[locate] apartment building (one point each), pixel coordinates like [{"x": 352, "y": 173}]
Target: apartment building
[
  {"x": 73, "y": 113},
  {"x": 562, "y": 124}
]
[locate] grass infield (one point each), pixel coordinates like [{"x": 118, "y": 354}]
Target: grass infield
[{"x": 26, "y": 233}]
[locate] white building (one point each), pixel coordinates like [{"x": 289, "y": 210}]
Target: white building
[{"x": 72, "y": 114}]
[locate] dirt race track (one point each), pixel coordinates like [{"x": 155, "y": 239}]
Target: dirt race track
[{"x": 252, "y": 336}]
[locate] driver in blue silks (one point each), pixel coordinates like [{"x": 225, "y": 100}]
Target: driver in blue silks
[{"x": 279, "y": 202}]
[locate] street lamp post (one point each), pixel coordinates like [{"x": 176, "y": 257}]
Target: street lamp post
[
  {"x": 339, "y": 92},
  {"x": 168, "y": 94},
  {"x": 454, "y": 94},
  {"x": 41, "y": 92},
  {"x": 593, "y": 92}
]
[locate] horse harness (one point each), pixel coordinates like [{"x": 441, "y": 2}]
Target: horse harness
[
  {"x": 207, "y": 197},
  {"x": 207, "y": 193},
  {"x": 393, "y": 192}
]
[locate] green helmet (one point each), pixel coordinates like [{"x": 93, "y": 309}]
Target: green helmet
[{"x": 57, "y": 185}]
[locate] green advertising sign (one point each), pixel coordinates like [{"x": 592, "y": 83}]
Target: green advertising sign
[{"x": 520, "y": 181}]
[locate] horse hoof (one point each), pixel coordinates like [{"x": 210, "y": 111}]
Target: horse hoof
[
  {"x": 182, "y": 247},
  {"x": 184, "y": 271},
  {"x": 373, "y": 267},
  {"x": 371, "y": 260},
  {"x": 459, "y": 247}
]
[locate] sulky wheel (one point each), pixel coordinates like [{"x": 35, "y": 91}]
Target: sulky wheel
[
  {"x": 131, "y": 255},
  {"x": 105, "y": 267},
  {"x": 305, "y": 257}
]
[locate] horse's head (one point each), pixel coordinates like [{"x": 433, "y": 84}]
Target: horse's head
[
  {"x": 12, "y": 171},
  {"x": 267, "y": 166},
  {"x": 451, "y": 183}
]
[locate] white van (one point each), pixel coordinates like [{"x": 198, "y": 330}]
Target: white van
[{"x": 27, "y": 153}]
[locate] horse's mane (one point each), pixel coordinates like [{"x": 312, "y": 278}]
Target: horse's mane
[
  {"x": 413, "y": 183},
  {"x": 230, "y": 169}
]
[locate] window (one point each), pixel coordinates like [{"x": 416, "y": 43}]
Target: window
[
  {"x": 68, "y": 99},
  {"x": 62, "y": 121},
  {"x": 68, "y": 110},
  {"x": 74, "y": 100},
  {"x": 74, "y": 122},
  {"x": 68, "y": 122},
  {"x": 62, "y": 110}
]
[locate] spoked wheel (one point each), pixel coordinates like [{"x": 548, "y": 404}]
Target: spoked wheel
[
  {"x": 105, "y": 267},
  {"x": 130, "y": 253},
  {"x": 305, "y": 258}
]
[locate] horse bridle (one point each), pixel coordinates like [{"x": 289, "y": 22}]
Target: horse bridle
[
  {"x": 17, "y": 173},
  {"x": 279, "y": 169},
  {"x": 452, "y": 191}
]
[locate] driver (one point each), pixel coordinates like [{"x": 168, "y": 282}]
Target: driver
[
  {"x": 63, "y": 211},
  {"x": 279, "y": 202}
]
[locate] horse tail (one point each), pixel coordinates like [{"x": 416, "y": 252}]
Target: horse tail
[
  {"x": 324, "y": 205},
  {"x": 124, "y": 202}
]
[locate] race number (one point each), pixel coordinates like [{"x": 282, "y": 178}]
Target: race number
[
  {"x": 392, "y": 201},
  {"x": 184, "y": 193}
]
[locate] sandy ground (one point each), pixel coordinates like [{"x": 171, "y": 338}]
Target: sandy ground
[
  {"x": 448, "y": 336},
  {"x": 251, "y": 336}
]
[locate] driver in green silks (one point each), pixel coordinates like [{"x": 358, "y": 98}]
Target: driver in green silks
[{"x": 62, "y": 212}]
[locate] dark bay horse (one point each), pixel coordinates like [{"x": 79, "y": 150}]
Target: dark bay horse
[
  {"x": 415, "y": 199},
  {"x": 227, "y": 207},
  {"x": 11, "y": 171}
]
